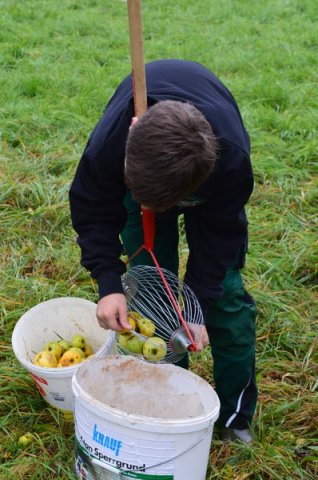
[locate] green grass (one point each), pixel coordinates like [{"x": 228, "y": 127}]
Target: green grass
[{"x": 60, "y": 63}]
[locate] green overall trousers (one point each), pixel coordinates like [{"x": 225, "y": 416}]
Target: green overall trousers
[{"x": 230, "y": 321}]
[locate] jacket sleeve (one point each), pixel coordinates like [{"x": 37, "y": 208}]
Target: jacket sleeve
[
  {"x": 96, "y": 201},
  {"x": 217, "y": 230}
]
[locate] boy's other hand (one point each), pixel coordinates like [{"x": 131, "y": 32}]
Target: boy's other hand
[
  {"x": 111, "y": 312},
  {"x": 200, "y": 335}
]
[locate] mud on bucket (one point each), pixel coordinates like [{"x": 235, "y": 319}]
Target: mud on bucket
[
  {"x": 139, "y": 420},
  {"x": 66, "y": 316}
]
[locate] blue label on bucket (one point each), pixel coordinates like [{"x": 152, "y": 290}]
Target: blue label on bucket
[{"x": 102, "y": 438}]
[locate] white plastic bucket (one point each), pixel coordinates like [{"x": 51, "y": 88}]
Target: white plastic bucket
[
  {"x": 139, "y": 420},
  {"x": 66, "y": 316}
]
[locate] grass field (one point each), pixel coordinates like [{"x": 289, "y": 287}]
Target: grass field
[{"x": 60, "y": 63}]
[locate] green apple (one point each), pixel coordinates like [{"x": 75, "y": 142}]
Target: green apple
[
  {"x": 145, "y": 327},
  {"x": 122, "y": 340},
  {"x": 154, "y": 349},
  {"x": 55, "y": 348},
  {"x": 65, "y": 345},
  {"x": 45, "y": 359},
  {"x": 78, "y": 341},
  {"x": 131, "y": 342},
  {"x": 134, "y": 344}
]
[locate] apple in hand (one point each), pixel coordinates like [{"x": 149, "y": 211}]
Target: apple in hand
[
  {"x": 45, "y": 359},
  {"x": 145, "y": 327},
  {"x": 154, "y": 349},
  {"x": 132, "y": 322},
  {"x": 78, "y": 341},
  {"x": 55, "y": 348}
]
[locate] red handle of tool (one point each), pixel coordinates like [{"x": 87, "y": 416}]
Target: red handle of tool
[{"x": 149, "y": 227}]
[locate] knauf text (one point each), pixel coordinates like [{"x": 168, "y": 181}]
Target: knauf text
[{"x": 106, "y": 441}]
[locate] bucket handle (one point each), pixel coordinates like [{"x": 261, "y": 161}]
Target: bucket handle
[{"x": 116, "y": 473}]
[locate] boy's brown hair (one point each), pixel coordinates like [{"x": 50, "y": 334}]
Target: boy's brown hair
[{"x": 170, "y": 151}]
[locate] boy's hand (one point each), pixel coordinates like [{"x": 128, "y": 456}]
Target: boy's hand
[
  {"x": 112, "y": 312},
  {"x": 134, "y": 120},
  {"x": 200, "y": 336}
]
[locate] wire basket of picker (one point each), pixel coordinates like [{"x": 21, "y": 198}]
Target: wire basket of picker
[
  {"x": 163, "y": 312},
  {"x": 164, "y": 320}
]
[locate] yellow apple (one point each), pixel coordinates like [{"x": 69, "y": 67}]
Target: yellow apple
[
  {"x": 25, "y": 439},
  {"x": 154, "y": 349},
  {"x": 132, "y": 322},
  {"x": 77, "y": 350},
  {"x": 87, "y": 350},
  {"x": 78, "y": 341},
  {"x": 145, "y": 326},
  {"x": 70, "y": 358},
  {"x": 55, "y": 348},
  {"x": 45, "y": 359}
]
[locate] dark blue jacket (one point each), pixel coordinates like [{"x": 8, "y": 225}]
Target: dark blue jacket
[{"x": 98, "y": 189}]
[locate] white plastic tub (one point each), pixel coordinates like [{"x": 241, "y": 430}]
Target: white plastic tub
[
  {"x": 139, "y": 420},
  {"x": 66, "y": 316}
]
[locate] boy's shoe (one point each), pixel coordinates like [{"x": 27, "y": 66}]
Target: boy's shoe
[{"x": 231, "y": 435}]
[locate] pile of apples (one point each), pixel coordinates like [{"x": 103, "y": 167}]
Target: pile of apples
[
  {"x": 63, "y": 353},
  {"x": 146, "y": 344}
]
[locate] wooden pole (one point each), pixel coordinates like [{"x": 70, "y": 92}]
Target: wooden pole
[{"x": 137, "y": 57}]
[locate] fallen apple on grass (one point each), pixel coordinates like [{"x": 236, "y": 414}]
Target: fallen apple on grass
[{"x": 25, "y": 439}]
